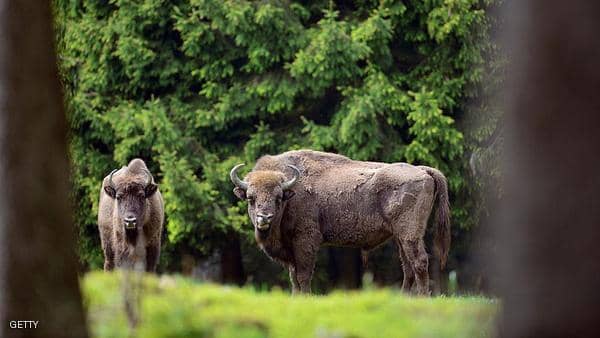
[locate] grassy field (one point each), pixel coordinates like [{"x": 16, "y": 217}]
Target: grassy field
[{"x": 179, "y": 307}]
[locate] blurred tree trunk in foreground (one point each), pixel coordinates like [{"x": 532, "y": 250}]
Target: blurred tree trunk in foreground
[
  {"x": 39, "y": 280},
  {"x": 550, "y": 230}
]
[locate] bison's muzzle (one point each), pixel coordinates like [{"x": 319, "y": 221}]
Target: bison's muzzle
[
  {"x": 130, "y": 223},
  {"x": 263, "y": 225},
  {"x": 263, "y": 221}
]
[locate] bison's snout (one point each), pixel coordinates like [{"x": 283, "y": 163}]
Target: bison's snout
[
  {"x": 263, "y": 221},
  {"x": 130, "y": 222}
]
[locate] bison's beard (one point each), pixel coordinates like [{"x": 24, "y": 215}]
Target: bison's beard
[
  {"x": 131, "y": 235},
  {"x": 262, "y": 234}
]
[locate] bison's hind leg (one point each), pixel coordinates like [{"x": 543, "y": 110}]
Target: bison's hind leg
[
  {"x": 407, "y": 270},
  {"x": 409, "y": 230},
  {"x": 415, "y": 253}
]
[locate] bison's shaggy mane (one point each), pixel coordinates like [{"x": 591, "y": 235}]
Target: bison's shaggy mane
[{"x": 265, "y": 178}]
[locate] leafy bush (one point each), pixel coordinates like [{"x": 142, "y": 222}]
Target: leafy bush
[{"x": 178, "y": 307}]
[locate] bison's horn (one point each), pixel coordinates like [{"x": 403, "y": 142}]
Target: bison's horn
[
  {"x": 150, "y": 178},
  {"x": 287, "y": 185},
  {"x": 236, "y": 180},
  {"x": 110, "y": 181}
]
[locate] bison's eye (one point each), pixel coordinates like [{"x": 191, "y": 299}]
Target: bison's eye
[
  {"x": 278, "y": 200},
  {"x": 119, "y": 197},
  {"x": 251, "y": 200}
]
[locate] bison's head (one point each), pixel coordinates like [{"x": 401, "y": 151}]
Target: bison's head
[
  {"x": 266, "y": 192},
  {"x": 131, "y": 193}
]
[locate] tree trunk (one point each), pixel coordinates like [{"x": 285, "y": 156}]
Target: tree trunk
[
  {"x": 38, "y": 263},
  {"x": 345, "y": 267},
  {"x": 549, "y": 233},
  {"x": 232, "y": 270}
]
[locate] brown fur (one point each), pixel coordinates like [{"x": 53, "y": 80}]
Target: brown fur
[
  {"x": 266, "y": 178},
  {"x": 131, "y": 247},
  {"x": 341, "y": 202}
]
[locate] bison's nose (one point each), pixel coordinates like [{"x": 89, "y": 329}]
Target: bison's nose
[
  {"x": 130, "y": 222},
  {"x": 266, "y": 217},
  {"x": 263, "y": 220}
]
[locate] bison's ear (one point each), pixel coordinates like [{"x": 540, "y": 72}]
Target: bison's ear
[
  {"x": 288, "y": 194},
  {"x": 150, "y": 189},
  {"x": 110, "y": 191},
  {"x": 239, "y": 193}
]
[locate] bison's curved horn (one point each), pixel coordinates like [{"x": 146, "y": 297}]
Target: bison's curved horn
[
  {"x": 287, "y": 185},
  {"x": 150, "y": 178},
  {"x": 110, "y": 181},
  {"x": 236, "y": 180}
]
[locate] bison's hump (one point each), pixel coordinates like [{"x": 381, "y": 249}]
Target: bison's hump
[{"x": 137, "y": 165}]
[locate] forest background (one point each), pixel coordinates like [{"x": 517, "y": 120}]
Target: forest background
[{"x": 196, "y": 86}]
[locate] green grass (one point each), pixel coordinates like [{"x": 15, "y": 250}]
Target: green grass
[{"x": 180, "y": 307}]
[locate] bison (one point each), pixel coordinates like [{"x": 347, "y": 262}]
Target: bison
[
  {"x": 130, "y": 218},
  {"x": 301, "y": 200}
]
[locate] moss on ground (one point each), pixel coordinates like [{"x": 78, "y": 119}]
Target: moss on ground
[{"x": 173, "y": 306}]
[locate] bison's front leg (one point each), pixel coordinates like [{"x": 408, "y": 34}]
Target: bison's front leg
[
  {"x": 109, "y": 264},
  {"x": 294, "y": 279},
  {"x": 107, "y": 250},
  {"x": 304, "y": 271},
  {"x": 109, "y": 256},
  {"x": 152, "y": 254},
  {"x": 306, "y": 247}
]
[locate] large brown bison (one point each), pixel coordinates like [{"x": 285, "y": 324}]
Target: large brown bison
[
  {"x": 130, "y": 218},
  {"x": 300, "y": 200}
]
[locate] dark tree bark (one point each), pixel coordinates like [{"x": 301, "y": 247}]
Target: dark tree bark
[
  {"x": 38, "y": 262},
  {"x": 549, "y": 233},
  {"x": 385, "y": 265},
  {"x": 345, "y": 267},
  {"x": 232, "y": 270}
]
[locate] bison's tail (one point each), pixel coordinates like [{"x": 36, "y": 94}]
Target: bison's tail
[{"x": 441, "y": 239}]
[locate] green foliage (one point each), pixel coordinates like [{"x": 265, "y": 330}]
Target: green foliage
[
  {"x": 178, "y": 307},
  {"x": 433, "y": 134},
  {"x": 196, "y": 86}
]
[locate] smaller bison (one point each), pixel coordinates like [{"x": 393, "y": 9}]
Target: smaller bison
[{"x": 130, "y": 218}]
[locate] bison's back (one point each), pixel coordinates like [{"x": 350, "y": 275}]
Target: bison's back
[{"x": 337, "y": 171}]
